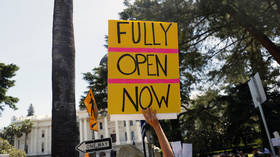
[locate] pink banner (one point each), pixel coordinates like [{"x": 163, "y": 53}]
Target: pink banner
[
  {"x": 126, "y": 81},
  {"x": 142, "y": 50}
]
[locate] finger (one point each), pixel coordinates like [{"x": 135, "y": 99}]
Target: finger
[
  {"x": 148, "y": 115},
  {"x": 144, "y": 112},
  {"x": 149, "y": 111},
  {"x": 153, "y": 113}
]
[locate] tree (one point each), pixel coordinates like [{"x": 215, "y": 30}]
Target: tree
[
  {"x": 259, "y": 18},
  {"x": 218, "y": 121},
  {"x": 98, "y": 82},
  {"x": 203, "y": 123},
  {"x": 30, "y": 111},
  {"x": 240, "y": 116},
  {"x": 209, "y": 35},
  {"x": 17, "y": 129},
  {"x": 10, "y": 132},
  {"x": 7, "y": 148},
  {"x": 6, "y": 73},
  {"x": 64, "y": 126},
  {"x": 25, "y": 127}
]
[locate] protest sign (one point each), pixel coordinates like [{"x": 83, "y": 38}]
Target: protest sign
[{"x": 143, "y": 69}]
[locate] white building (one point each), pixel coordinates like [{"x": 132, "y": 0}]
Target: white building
[{"x": 121, "y": 132}]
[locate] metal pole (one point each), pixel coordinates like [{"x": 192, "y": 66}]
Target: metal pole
[
  {"x": 93, "y": 138},
  {"x": 266, "y": 130},
  {"x": 144, "y": 147}
]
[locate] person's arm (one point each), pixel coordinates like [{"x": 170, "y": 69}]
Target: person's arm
[{"x": 150, "y": 117}]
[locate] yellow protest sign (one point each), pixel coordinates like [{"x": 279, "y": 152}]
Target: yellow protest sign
[
  {"x": 143, "y": 68},
  {"x": 92, "y": 109}
]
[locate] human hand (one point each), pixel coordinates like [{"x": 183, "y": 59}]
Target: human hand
[{"x": 150, "y": 117}]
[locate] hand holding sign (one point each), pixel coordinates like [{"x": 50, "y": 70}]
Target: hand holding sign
[
  {"x": 92, "y": 109},
  {"x": 151, "y": 118}
]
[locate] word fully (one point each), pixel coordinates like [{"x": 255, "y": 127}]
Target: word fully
[{"x": 147, "y": 33}]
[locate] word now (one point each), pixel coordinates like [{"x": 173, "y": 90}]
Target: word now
[
  {"x": 142, "y": 26},
  {"x": 148, "y": 60},
  {"x": 137, "y": 101}
]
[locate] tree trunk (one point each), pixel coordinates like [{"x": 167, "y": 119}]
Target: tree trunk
[
  {"x": 64, "y": 126},
  {"x": 25, "y": 143},
  {"x": 240, "y": 18}
]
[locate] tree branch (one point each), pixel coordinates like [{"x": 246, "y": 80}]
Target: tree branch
[
  {"x": 273, "y": 49},
  {"x": 278, "y": 5}
]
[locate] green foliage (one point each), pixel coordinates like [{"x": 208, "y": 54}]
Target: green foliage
[
  {"x": 30, "y": 111},
  {"x": 203, "y": 122},
  {"x": 98, "y": 83},
  {"x": 16, "y": 129},
  {"x": 6, "y": 148},
  {"x": 243, "y": 29},
  {"x": 6, "y": 73},
  {"x": 241, "y": 118},
  {"x": 9, "y": 132},
  {"x": 25, "y": 126},
  {"x": 216, "y": 121}
]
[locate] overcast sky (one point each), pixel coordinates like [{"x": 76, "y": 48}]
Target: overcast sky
[{"x": 26, "y": 40}]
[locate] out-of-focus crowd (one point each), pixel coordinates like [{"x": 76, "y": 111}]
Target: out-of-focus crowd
[{"x": 254, "y": 153}]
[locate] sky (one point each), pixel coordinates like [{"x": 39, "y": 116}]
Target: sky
[{"x": 26, "y": 40}]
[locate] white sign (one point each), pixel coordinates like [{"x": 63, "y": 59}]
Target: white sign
[
  {"x": 177, "y": 148},
  {"x": 275, "y": 141},
  {"x": 257, "y": 90},
  {"x": 95, "y": 145},
  {"x": 187, "y": 150}
]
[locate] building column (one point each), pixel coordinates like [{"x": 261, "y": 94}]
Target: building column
[
  {"x": 138, "y": 131},
  {"x": 96, "y": 135},
  {"x": 31, "y": 141},
  {"x": 128, "y": 133},
  {"x": 35, "y": 140},
  {"x": 97, "y": 154},
  {"x": 32, "y": 145},
  {"x": 85, "y": 129},
  {"x": 117, "y": 132},
  {"x": 81, "y": 129},
  {"x": 106, "y": 127},
  {"x": 108, "y": 153},
  {"x": 50, "y": 139},
  {"x": 46, "y": 140}
]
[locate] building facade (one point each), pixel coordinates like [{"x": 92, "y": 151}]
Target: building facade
[{"x": 122, "y": 133}]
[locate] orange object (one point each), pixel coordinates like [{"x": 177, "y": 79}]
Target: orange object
[{"x": 92, "y": 109}]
